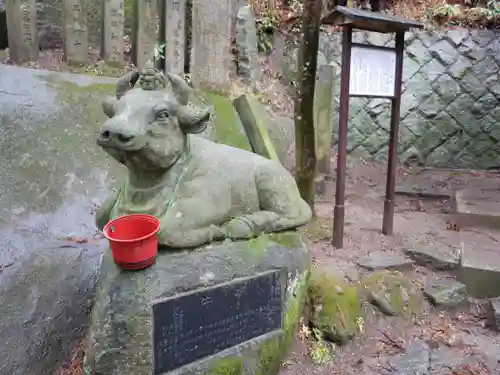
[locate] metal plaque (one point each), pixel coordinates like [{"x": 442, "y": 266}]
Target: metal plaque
[
  {"x": 373, "y": 71},
  {"x": 203, "y": 322}
]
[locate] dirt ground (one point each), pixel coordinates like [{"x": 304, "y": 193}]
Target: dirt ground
[
  {"x": 417, "y": 222},
  {"x": 454, "y": 336}
]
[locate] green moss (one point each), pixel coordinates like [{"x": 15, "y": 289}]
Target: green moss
[
  {"x": 258, "y": 245},
  {"x": 227, "y": 129},
  {"x": 395, "y": 289},
  {"x": 227, "y": 366},
  {"x": 289, "y": 239},
  {"x": 336, "y": 308},
  {"x": 318, "y": 229},
  {"x": 273, "y": 351}
]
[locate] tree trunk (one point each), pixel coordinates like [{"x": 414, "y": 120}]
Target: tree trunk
[{"x": 305, "y": 153}]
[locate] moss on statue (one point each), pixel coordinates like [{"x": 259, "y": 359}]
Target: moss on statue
[
  {"x": 273, "y": 352},
  {"x": 336, "y": 308},
  {"x": 392, "y": 292}
]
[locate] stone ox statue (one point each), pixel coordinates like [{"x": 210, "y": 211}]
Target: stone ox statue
[{"x": 200, "y": 190}]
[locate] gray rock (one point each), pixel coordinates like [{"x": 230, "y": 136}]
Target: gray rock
[
  {"x": 436, "y": 259},
  {"x": 45, "y": 307},
  {"x": 494, "y": 307},
  {"x": 47, "y": 192},
  {"x": 379, "y": 261},
  {"x": 445, "y": 293},
  {"x": 121, "y": 328},
  {"x": 246, "y": 45},
  {"x": 414, "y": 362}
]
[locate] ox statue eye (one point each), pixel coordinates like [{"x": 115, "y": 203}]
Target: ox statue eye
[{"x": 162, "y": 116}]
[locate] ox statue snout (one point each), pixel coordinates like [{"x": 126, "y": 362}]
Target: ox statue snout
[{"x": 110, "y": 138}]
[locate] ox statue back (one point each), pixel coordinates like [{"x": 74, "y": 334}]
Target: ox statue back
[{"x": 200, "y": 190}]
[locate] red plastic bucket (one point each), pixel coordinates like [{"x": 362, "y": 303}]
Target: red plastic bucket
[{"x": 133, "y": 240}]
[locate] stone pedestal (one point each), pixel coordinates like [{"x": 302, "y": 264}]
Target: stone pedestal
[{"x": 127, "y": 312}]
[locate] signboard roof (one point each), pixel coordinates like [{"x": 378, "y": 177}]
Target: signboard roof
[{"x": 367, "y": 20}]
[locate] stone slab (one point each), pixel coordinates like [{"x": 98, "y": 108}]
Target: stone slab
[
  {"x": 480, "y": 271},
  {"x": 446, "y": 293},
  {"x": 379, "y": 261},
  {"x": 434, "y": 258},
  {"x": 477, "y": 207},
  {"x": 252, "y": 115},
  {"x": 121, "y": 328}
]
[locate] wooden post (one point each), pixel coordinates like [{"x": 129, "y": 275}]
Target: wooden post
[
  {"x": 339, "y": 208},
  {"x": 175, "y": 35},
  {"x": 112, "y": 34},
  {"x": 76, "y": 33},
  {"x": 388, "y": 221},
  {"x": 144, "y": 31},
  {"x": 22, "y": 30}
]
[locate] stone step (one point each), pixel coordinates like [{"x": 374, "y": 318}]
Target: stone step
[
  {"x": 476, "y": 207},
  {"x": 480, "y": 272}
]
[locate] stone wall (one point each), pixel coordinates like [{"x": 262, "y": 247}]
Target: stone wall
[{"x": 450, "y": 112}]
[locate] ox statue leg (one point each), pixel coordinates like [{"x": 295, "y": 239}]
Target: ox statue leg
[{"x": 281, "y": 205}]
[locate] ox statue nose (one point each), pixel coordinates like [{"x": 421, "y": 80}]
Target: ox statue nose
[{"x": 107, "y": 136}]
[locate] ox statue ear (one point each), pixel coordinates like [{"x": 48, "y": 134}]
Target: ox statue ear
[
  {"x": 193, "y": 120},
  {"x": 109, "y": 106}
]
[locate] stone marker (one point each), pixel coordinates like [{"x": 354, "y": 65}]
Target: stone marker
[
  {"x": 211, "y": 45},
  {"x": 246, "y": 46},
  {"x": 112, "y": 33},
  {"x": 76, "y": 43},
  {"x": 215, "y": 319},
  {"x": 22, "y": 30},
  {"x": 251, "y": 115},
  {"x": 144, "y": 31},
  {"x": 237, "y": 313},
  {"x": 323, "y": 116},
  {"x": 175, "y": 35}
]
